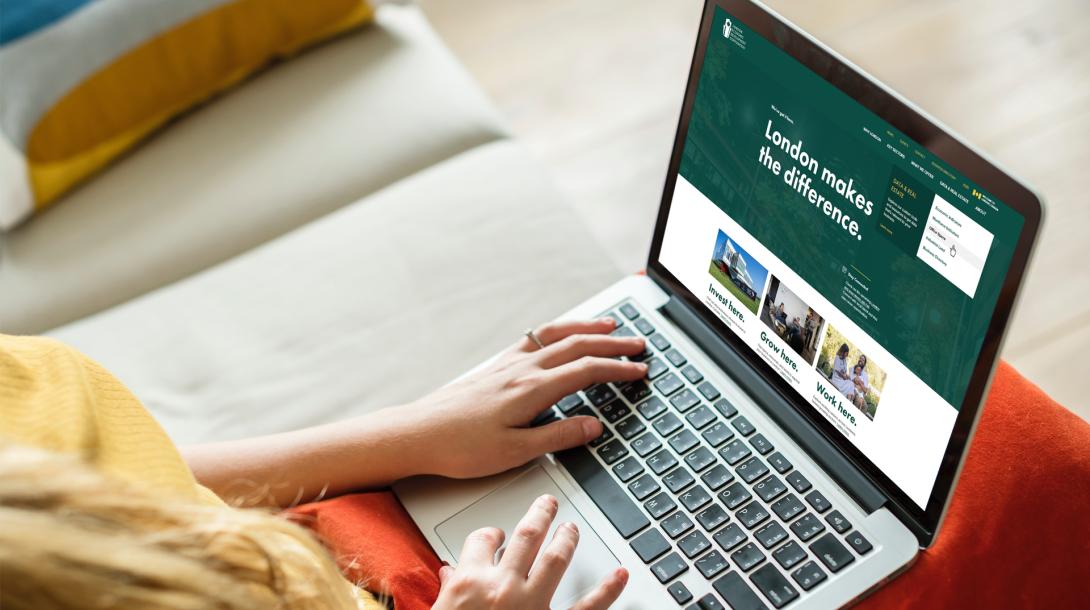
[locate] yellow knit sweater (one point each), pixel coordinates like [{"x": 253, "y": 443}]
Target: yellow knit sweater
[{"x": 55, "y": 398}]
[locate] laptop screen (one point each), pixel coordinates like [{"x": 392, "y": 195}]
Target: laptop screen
[{"x": 858, "y": 266}]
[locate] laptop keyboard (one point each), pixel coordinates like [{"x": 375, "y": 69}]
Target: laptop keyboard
[{"x": 693, "y": 485}]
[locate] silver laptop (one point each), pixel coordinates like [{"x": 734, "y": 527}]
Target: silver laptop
[{"x": 828, "y": 285}]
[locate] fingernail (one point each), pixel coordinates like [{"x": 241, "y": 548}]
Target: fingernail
[
  {"x": 608, "y": 320},
  {"x": 590, "y": 429},
  {"x": 574, "y": 529}
]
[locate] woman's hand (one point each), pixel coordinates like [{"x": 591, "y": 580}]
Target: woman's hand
[
  {"x": 517, "y": 581},
  {"x": 478, "y": 425}
]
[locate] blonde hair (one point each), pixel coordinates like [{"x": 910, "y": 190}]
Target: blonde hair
[{"x": 71, "y": 537}]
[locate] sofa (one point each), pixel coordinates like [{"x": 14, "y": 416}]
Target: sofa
[{"x": 347, "y": 230}]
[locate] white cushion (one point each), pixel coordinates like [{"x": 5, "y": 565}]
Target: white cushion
[
  {"x": 372, "y": 305},
  {"x": 304, "y": 138}
]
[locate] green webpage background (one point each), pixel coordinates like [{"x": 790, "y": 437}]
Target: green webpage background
[{"x": 925, "y": 321}]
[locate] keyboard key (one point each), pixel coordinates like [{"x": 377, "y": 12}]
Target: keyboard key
[
  {"x": 668, "y": 384},
  {"x": 676, "y": 524},
  {"x": 712, "y": 517},
  {"x": 799, "y": 482},
  {"x": 809, "y": 575},
  {"x": 742, "y": 425},
  {"x": 675, "y": 357},
  {"x": 738, "y": 594},
  {"x": 708, "y": 602},
  {"x": 661, "y": 462},
  {"x": 770, "y": 488},
  {"x": 677, "y": 479},
  {"x": 717, "y": 477},
  {"x": 788, "y": 507},
  {"x": 723, "y": 406},
  {"x": 603, "y": 490},
  {"x": 600, "y": 394},
  {"x": 646, "y": 444},
  {"x": 718, "y": 434},
  {"x": 692, "y": 374},
  {"x": 818, "y": 501},
  {"x": 773, "y": 585},
  {"x": 683, "y": 441},
  {"x": 644, "y": 326},
  {"x": 643, "y": 486},
  {"x": 669, "y": 567},
  {"x": 700, "y": 417},
  {"x": 751, "y": 469},
  {"x": 700, "y": 459},
  {"x": 656, "y": 367},
  {"x": 547, "y": 416},
  {"x": 623, "y": 331},
  {"x": 730, "y": 537},
  {"x": 839, "y": 522},
  {"x": 694, "y": 497},
  {"x": 612, "y": 451},
  {"x": 747, "y": 557},
  {"x": 761, "y": 444},
  {"x": 569, "y": 403},
  {"x": 660, "y": 505},
  {"x": 667, "y": 424},
  {"x": 627, "y": 469},
  {"x": 693, "y": 544},
  {"x": 650, "y": 545},
  {"x": 679, "y": 592},
  {"x": 601, "y": 438},
  {"x": 684, "y": 400},
  {"x": 789, "y": 555},
  {"x": 711, "y": 565},
  {"x": 859, "y": 543},
  {"x": 833, "y": 554},
  {"x": 614, "y": 411},
  {"x": 770, "y": 535},
  {"x": 807, "y": 527},
  {"x": 734, "y": 496},
  {"x": 630, "y": 312},
  {"x": 660, "y": 342},
  {"x": 751, "y": 515},
  {"x": 644, "y": 355},
  {"x": 780, "y": 463},
  {"x": 709, "y": 391},
  {"x": 617, "y": 321},
  {"x": 636, "y": 391},
  {"x": 735, "y": 452},
  {"x": 629, "y": 427},
  {"x": 651, "y": 408}
]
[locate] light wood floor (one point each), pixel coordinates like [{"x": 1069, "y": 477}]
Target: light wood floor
[{"x": 593, "y": 88}]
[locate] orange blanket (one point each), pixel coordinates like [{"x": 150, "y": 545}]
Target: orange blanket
[{"x": 1017, "y": 534}]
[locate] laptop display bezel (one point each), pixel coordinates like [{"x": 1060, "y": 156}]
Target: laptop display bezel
[{"x": 901, "y": 114}]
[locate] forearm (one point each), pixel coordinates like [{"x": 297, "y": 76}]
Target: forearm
[{"x": 281, "y": 469}]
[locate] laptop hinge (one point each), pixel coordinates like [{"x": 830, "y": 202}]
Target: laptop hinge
[{"x": 869, "y": 497}]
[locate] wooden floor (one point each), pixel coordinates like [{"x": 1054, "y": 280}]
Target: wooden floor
[{"x": 593, "y": 88}]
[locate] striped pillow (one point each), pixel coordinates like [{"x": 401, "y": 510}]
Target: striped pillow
[{"x": 81, "y": 81}]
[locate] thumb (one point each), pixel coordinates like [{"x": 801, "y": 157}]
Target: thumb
[
  {"x": 445, "y": 573},
  {"x": 564, "y": 434}
]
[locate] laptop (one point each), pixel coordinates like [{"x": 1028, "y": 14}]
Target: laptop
[{"x": 828, "y": 285}]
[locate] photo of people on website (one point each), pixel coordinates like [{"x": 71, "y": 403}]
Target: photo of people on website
[
  {"x": 851, "y": 372},
  {"x": 792, "y": 320},
  {"x": 738, "y": 272}
]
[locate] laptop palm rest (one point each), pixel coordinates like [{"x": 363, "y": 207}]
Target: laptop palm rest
[{"x": 506, "y": 505}]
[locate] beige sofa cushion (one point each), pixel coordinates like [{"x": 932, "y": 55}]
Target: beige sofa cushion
[
  {"x": 301, "y": 140},
  {"x": 374, "y": 304}
]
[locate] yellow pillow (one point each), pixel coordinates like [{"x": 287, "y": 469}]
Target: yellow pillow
[{"x": 81, "y": 81}]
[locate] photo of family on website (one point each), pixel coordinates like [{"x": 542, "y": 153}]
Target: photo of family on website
[{"x": 851, "y": 372}]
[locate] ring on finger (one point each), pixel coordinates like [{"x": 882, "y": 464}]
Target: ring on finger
[{"x": 532, "y": 336}]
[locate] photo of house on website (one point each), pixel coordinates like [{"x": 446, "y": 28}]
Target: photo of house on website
[
  {"x": 851, "y": 372},
  {"x": 793, "y": 320},
  {"x": 738, "y": 272}
]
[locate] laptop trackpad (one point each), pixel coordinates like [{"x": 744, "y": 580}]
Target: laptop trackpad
[{"x": 504, "y": 507}]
